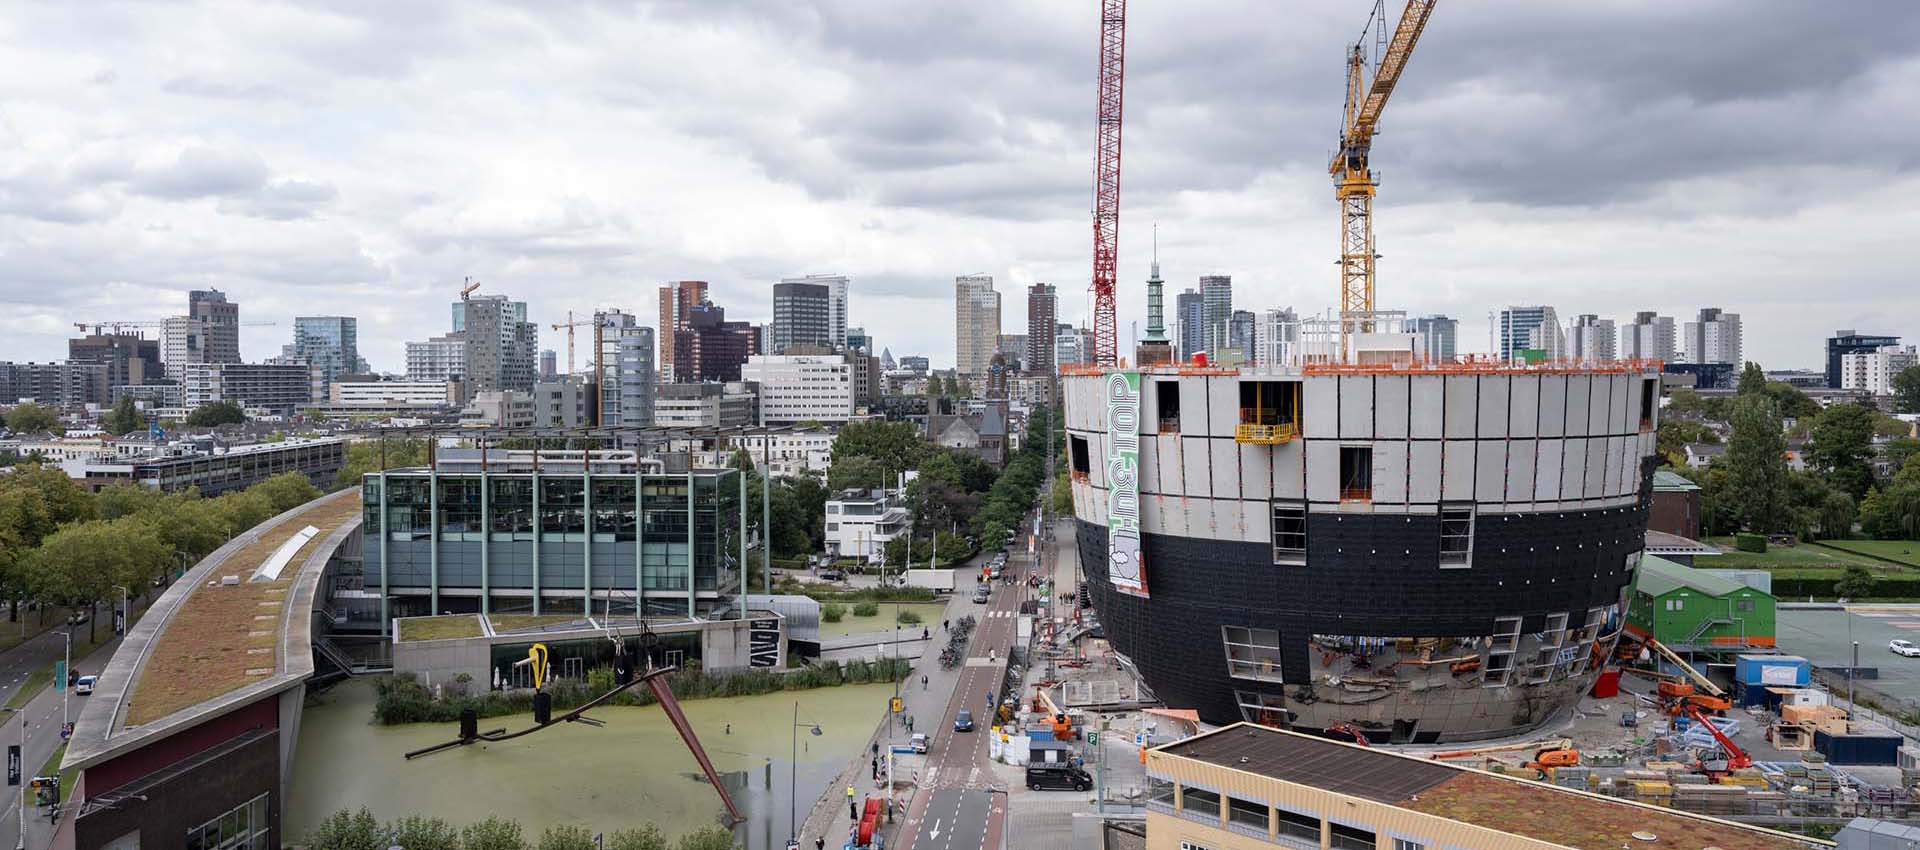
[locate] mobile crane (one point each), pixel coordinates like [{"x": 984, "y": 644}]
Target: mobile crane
[{"x": 1736, "y": 758}]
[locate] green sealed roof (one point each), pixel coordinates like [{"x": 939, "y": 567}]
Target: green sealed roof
[{"x": 1665, "y": 480}]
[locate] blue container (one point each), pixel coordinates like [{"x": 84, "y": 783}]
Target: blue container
[
  {"x": 1858, "y": 749},
  {"x": 1780, "y": 671}
]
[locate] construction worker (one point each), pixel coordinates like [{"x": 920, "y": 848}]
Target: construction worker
[{"x": 853, "y": 808}]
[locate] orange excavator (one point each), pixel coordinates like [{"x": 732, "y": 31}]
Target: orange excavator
[{"x": 1546, "y": 754}]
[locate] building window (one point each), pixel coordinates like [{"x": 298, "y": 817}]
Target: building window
[
  {"x": 833, "y": 526},
  {"x": 1743, "y": 605},
  {"x": 1081, "y": 457},
  {"x": 1167, "y": 400},
  {"x": 1351, "y": 838},
  {"x": 1289, "y": 532},
  {"x": 1298, "y": 826},
  {"x": 1649, "y": 393},
  {"x": 1500, "y": 650},
  {"x": 1264, "y": 709},
  {"x": 243, "y": 826},
  {"x": 1188, "y": 845},
  {"x": 1456, "y": 536},
  {"x": 1247, "y": 813},
  {"x": 1548, "y": 657},
  {"x": 1200, "y": 802},
  {"x": 1676, "y": 605},
  {"x": 1252, "y": 653},
  {"x": 1408, "y": 844},
  {"x": 1356, "y": 473}
]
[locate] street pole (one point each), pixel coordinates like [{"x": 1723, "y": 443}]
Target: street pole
[
  {"x": 793, "y": 788},
  {"x": 1100, "y": 785},
  {"x": 68, "y": 670},
  {"x": 23, "y": 781},
  {"x": 1856, "y": 663}
]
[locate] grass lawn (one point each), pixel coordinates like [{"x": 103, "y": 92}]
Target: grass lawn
[
  {"x": 515, "y": 622},
  {"x": 851, "y": 625},
  {"x": 440, "y": 628},
  {"x": 66, "y": 777},
  {"x": 1806, "y": 559},
  {"x": 1905, "y": 551}
]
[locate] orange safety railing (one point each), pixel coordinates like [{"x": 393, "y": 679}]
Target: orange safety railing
[
  {"x": 1356, "y": 494},
  {"x": 1486, "y": 366},
  {"x": 1253, "y": 432}
]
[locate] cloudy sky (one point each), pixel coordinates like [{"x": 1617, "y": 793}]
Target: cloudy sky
[{"x": 362, "y": 157}]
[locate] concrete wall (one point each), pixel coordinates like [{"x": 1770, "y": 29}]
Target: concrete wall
[{"x": 725, "y": 645}]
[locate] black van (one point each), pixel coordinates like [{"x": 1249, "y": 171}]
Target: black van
[{"x": 1057, "y": 778}]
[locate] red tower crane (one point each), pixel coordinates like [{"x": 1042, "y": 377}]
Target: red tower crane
[{"x": 1106, "y": 181}]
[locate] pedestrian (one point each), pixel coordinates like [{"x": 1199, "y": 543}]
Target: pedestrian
[
  {"x": 924, "y": 634},
  {"x": 923, "y": 681},
  {"x": 853, "y": 808},
  {"x": 945, "y": 625},
  {"x": 729, "y": 729},
  {"x": 819, "y": 843}
]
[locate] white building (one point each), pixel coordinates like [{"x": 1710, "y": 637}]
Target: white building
[
  {"x": 1072, "y": 347},
  {"x": 1649, "y": 337},
  {"x": 1593, "y": 339},
  {"x": 394, "y": 392},
  {"x": 706, "y": 405},
  {"x": 836, "y": 285},
  {"x": 860, "y": 523},
  {"x": 1276, "y": 334},
  {"x": 786, "y": 455},
  {"x": 499, "y": 409},
  {"x": 976, "y": 318},
  {"x": 802, "y": 387},
  {"x": 443, "y": 358},
  {"x": 1714, "y": 338},
  {"x": 1873, "y": 371}
]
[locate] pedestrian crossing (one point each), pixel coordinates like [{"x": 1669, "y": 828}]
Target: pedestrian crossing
[{"x": 1000, "y": 614}]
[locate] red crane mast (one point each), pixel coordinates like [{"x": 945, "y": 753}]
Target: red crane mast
[{"x": 1106, "y": 181}]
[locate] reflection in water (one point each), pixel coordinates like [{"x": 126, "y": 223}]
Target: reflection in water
[{"x": 632, "y": 772}]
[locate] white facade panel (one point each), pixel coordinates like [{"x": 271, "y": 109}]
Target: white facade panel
[
  {"x": 1194, "y": 478},
  {"x": 1616, "y": 470},
  {"x": 1149, "y": 406},
  {"x": 1600, "y": 414},
  {"x": 1152, "y": 512},
  {"x": 1428, "y": 404},
  {"x": 1553, "y": 405},
  {"x": 1390, "y": 472},
  {"x": 1579, "y": 394},
  {"x": 1323, "y": 471},
  {"x": 1256, "y": 472},
  {"x": 1626, "y": 403},
  {"x": 1573, "y": 468},
  {"x": 1096, "y": 501},
  {"x": 1462, "y": 405},
  {"x": 1527, "y": 462},
  {"x": 1257, "y": 520},
  {"x": 1225, "y": 468},
  {"x": 1080, "y": 404},
  {"x": 1289, "y": 476},
  {"x": 1356, "y": 407},
  {"x": 1494, "y": 390},
  {"x": 1151, "y": 449},
  {"x": 1423, "y": 472},
  {"x": 1390, "y": 406},
  {"x": 1223, "y": 405},
  {"x": 1319, "y": 407},
  {"x": 1523, "y": 420},
  {"x": 1193, "y": 404},
  {"x": 1097, "y": 458},
  {"x": 1490, "y": 472},
  {"x": 1596, "y": 480},
  {"x": 1229, "y": 519},
  {"x": 1458, "y": 468},
  {"x": 1173, "y": 518}
]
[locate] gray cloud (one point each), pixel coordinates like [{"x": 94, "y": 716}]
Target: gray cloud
[
  {"x": 282, "y": 200},
  {"x": 203, "y": 172}
]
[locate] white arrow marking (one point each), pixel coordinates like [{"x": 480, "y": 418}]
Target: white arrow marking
[{"x": 935, "y": 835}]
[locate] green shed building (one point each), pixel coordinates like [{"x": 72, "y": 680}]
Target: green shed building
[{"x": 1689, "y": 609}]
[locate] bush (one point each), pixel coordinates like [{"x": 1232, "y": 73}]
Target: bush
[
  {"x": 832, "y": 612},
  {"x": 907, "y": 618},
  {"x": 566, "y": 837},
  {"x": 866, "y": 609},
  {"x": 1856, "y": 583},
  {"x": 493, "y": 833},
  {"x": 645, "y": 838},
  {"x": 1748, "y": 542}
]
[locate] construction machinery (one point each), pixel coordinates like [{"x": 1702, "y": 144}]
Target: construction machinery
[
  {"x": 467, "y": 287},
  {"x": 1062, "y": 724},
  {"x": 1731, "y": 757},
  {"x": 1345, "y": 733},
  {"x": 1546, "y": 754},
  {"x": 569, "y": 325},
  {"x": 1353, "y": 179},
  {"x": 1106, "y": 181}
]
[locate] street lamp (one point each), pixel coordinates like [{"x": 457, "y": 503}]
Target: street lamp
[{"x": 793, "y": 760}]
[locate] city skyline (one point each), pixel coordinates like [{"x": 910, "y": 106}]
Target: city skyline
[{"x": 192, "y": 182}]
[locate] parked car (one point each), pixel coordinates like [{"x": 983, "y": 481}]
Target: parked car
[
  {"x": 918, "y": 743},
  {"x": 833, "y": 575},
  {"x": 85, "y": 685},
  {"x": 981, "y": 592},
  {"x": 1057, "y": 778},
  {"x": 1907, "y": 648},
  {"x": 963, "y": 722},
  {"x": 79, "y": 618}
]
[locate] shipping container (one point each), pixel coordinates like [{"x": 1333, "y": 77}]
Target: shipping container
[
  {"x": 1871, "y": 748},
  {"x": 1780, "y": 670}
]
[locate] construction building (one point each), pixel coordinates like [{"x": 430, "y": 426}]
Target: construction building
[{"x": 1693, "y": 610}]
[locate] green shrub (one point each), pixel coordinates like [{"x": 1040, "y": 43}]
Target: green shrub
[
  {"x": 832, "y": 612},
  {"x": 866, "y": 609},
  {"x": 1749, "y": 542},
  {"x": 566, "y": 837},
  {"x": 907, "y": 618},
  {"x": 494, "y": 833}
]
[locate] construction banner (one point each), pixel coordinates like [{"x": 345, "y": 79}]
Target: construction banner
[{"x": 1124, "y": 566}]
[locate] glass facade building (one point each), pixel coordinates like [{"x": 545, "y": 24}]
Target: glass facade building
[{"x": 554, "y": 540}]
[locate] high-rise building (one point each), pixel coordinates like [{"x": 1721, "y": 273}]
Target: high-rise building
[
  {"x": 280, "y": 388},
  {"x": 1439, "y": 336},
  {"x": 183, "y": 340},
  {"x": 709, "y": 348},
  {"x": 1216, "y": 294},
  {"x": 1240, "y": 332},
  {"x": 1043, "y": 306},
  {"x": 64, "y": 384},
  {"x": 677, "y": 300},
  {"x": 803, "y": 315},
  {"x": 1845, "y": 342},
  {"x": 976, "y": 320},
  {"x": 1527, "y": 328},
  {"x": 1276, "y": 338},
  {"x": 1190, "y": 316},
  {"x": 1012, "y": 348},
  {"x": 1649, "y": 337},
  {"x": 1072, "y": 346},
  {"x": 802, "y": 388},
  {"x": 837, "y": 285},
  {"x": 1592, "y": 339},
  {"x": 859, "y": 340},
  {"x": 549, "y": 364},
  {"x": 331, "y": 347},
  {"x": 1873, "y": 371},
  {"x": 438, "y": 360},
  {"x": 623, "y": 371},
  {"x": 131, "y": 360},
  {"x": 563, "y": 403},
  {"x": 221, "y": 320},
  {"x": 1714, "y": 337},
  {"x": 501, "y": 344}
]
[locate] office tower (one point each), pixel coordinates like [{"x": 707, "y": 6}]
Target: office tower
[
  {"x": 709, "y": 348},
  {"x": 976, "y": 320},
  {"x": 1276, "y": 338},
  {"x": 221, "y": 320},
  {"x": 623, "y": 370},
  {"x": 801, "y": 388},
  {"x": 1527, "y": 328},
  {"x": 549, "y": 364},
  {"x": 803, "y": 315},
  {"x": 837, "y": 285},
  {"x": 1439, "y": 336},
  {"x": 438, "y": 360},
  {"x": 1714, "y": 337},
  {"x": 1845, "y": 342},
  {"x": 1240, "y": 331},
  {"x": 1216, "y": 293},
  {"x": 331, "y": 347},
  {"x": 500, "y": 343},
  {"x": 859, "y": 340},
  {"x": 677, "y": 300},
  {"x": 1190, "y": 313},
  {"x": 1592, "y": 339},
  {"x": 1013, "y": 349},
  {"x": 1072, "y": 346},
  {"x": 131, "y": 360},
  {"x": 1651, "y": 337},
  {"x": 1043, "y": 306}
]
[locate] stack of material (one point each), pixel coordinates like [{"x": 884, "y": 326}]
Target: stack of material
[
  {"x": 1721, "y": 800},
  {"x": 1655, "y": 793},
  {"x": 1820, "y": 718},
  {"x": 1796, "y": 737},
  {"x": 1577, "y": 778}
]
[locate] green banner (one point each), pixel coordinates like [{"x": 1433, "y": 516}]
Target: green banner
[{"x": 1124, "y": 566}]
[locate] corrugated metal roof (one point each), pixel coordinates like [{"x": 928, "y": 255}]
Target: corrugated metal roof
[{"x": 1659, "y": 575}]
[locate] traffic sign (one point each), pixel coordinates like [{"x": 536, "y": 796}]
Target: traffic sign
[
  {"x": 13, "y": 764},
  {"x": 1093, "y": 739}
]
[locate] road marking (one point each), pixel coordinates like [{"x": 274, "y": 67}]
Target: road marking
[{"x": 935, "y": 834}]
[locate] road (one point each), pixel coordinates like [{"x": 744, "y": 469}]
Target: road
[
  {"x": 43, "y": 716},
  {"x": 957, "y": 806}
]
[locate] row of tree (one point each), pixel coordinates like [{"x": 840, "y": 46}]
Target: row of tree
[
  {"x": 344, "y": 830},
  {"x": 61, "y": 545}
]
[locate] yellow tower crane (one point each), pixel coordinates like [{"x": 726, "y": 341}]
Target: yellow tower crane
[{"x": 1353, "y": 179}]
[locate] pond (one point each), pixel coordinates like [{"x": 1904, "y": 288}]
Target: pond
[{"x": 631, "y": 772}]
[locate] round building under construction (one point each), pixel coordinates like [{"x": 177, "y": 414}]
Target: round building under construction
[{"x": 1427, "y": 552}]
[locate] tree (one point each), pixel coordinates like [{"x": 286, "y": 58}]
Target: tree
[
  {"x": 348, "y": 831},
  {"x": 216, "y": 413},
  {"x": 934, "y": 388},
  {"x": 1841, "y": 447},
  {"x": 1856, "y": 583},
  {"x": 1893, "y": 513},
  {"x": 1906, "y": 390},
  {"x": 1752, "y": 379},
  {"x": 1837, "y": 513},
  {"x": 645, "y": 838},
  {"x": 565, "y": 837},
  {"x": 1685, "y": 402},
  {"x": 363, "y": 458},
  {"x": 1756, "y": 464},
  {"x": 858, "y": 472},
  {"x": 124, "y": 418},
  {"x": 1674, "y": 434},
  {"x": 421, "y": 833},
  {"x": 82, "y": 562},
  {"x": 286, "y": 491},
  {"x": 1899, "y": 451},
  {"x": 30, "y": 418},
  {"x": 894, "y": 445},
  {"x": 494, "y": 833}
]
